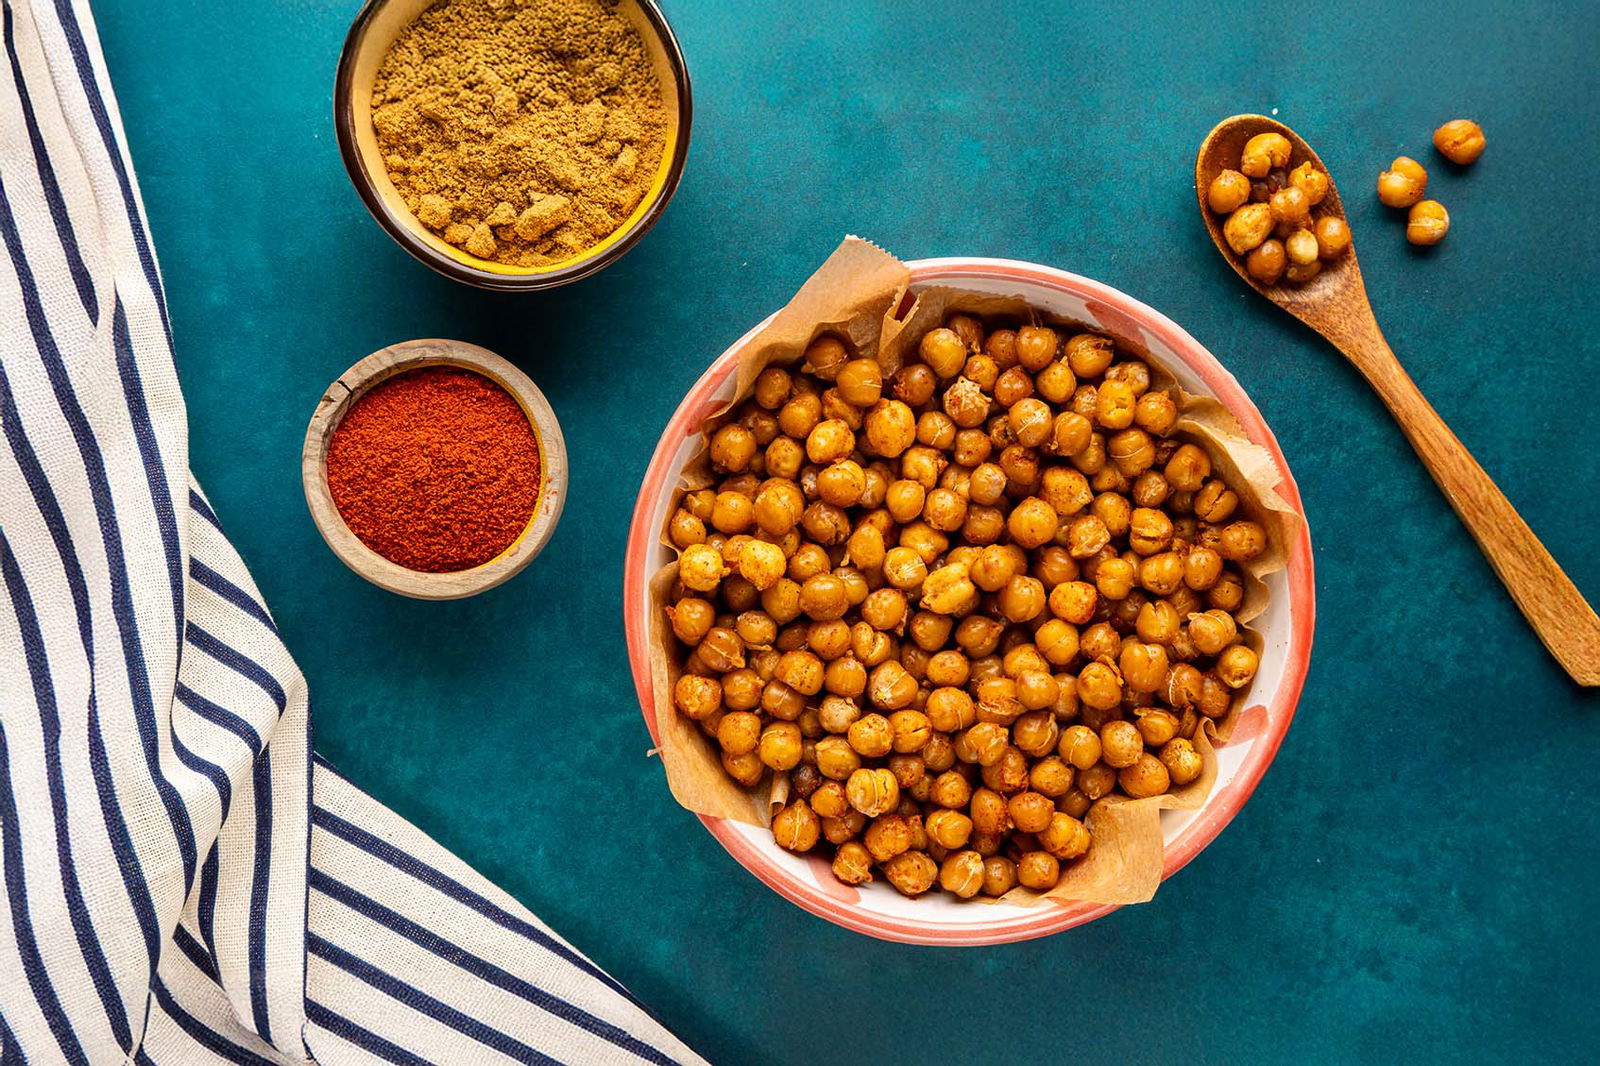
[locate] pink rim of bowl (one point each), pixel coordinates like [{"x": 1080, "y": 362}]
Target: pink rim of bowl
[{"x": 1286, "y": 627}]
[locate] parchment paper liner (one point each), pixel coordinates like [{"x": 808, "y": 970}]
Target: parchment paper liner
[{"x": 863, "y": 294}]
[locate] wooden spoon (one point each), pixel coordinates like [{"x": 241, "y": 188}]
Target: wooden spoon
[{"x": 1335, "y": 304}]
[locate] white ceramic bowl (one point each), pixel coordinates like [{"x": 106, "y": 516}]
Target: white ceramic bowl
[{"x": 1285, "y": 626}]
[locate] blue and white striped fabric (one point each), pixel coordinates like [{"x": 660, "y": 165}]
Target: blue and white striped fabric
[{"x": 185, "y": 882}]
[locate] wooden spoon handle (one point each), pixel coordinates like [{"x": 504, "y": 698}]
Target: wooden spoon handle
[{"x": 1547, "y": 597}]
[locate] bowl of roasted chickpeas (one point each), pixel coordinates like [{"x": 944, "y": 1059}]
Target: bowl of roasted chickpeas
[{"x": 957, "y": 606}]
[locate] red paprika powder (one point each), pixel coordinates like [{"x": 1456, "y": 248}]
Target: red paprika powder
[{"x": 436, "y": 469}]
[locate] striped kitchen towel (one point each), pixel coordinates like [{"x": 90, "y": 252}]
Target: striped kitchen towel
[{"x": 185, "y": 882}]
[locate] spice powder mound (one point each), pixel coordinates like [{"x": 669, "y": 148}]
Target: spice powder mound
[
  {"x": 523, "y": 131},
  {"x": 436, "y": 469}
]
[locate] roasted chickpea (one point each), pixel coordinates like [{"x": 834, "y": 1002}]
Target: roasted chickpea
[
  {"x": 1035, "y": 347},
  {"x": 1460, "y": 140},
  {"x": 1032, "y": 523},
  {"x": 1215, "y": 699},
  {"x": 1114, "y": 404},
  {"x": 1030, "y": 811},
  {"x": 1188, "y": 468},
  {"x": 1157, "y": 726},
  {"x": 800, "y": 415},
  {"x": 825, "y": 355},
  {"x": 732, "y": 448},
  {"x": 962, "y": 874},
  {"x": 1241, "y": 541},
  {"x": 948, "y": 828},
  {"x": 1301, "y": 247},
  {"x": 945, "y": 510},
  {"x": 1099, "y": 686},
  {"x": 846, "y": 677},
  {"x": 772, "y": 387},
  {"x": 1227, "y": 593},
  {"x": 685, "y": 529},
  {"x": 1247, "y": 227},
  {"x": 1031, "y": 422},
  {"x": 872, "y": 792},
  {"x": 1038, "y": 870},
  {"x": 943, "y": 351},
  {"x": 1290, "y": 206},
  {"x": 1086, "y": 536},
  {"x": 999, "y": 875},
  {"x": 1145, "y": 776},
  {"x": 779, "y": 506},
  {"x": 1074, "y": 602},
  {"x": 978, "y": 635},
  {"x": 1212, "y": 631},
  {"x": 911, "y": 872},
  {"x": 1214, "y": 502},
  {"x": 951, "y": 789},
  {"x": 1120, "y": 744},
  {"x": 1264, "y": 152},
  {"x": 1311, "y": 181},
  {"x": 860, "y": 382},
  {"x": 796, "y": 827},
  {"x": 779, "y": 746},
  {"x": 1300, "y": 273},
  {"x": 1065, "y": 837},
  {"x": 1403, "y": 184},
  {"x": 852, "y": 863},
  {"x": 1182, "y": 687},
  {"x": 983, "y": 744},
  {"x": 1237, "y": 665},
  {"x": 839, "y": 830},
  {"x": 1182, "y": 761},
  {"x": 1266, "y": 262},
  {"x": 830, "y": 440},
  {"x": 701, "y": 568},
  {"x": 1089, "y": 354},
  {"x": 1201, "y": 568},
  {"x": 762, "y": 564},
  {"x": 691, "y": 619},
  {"x": 1144, "y": 666},
  {"x": 836, "y": 759},
  {"x": 889, "y": 428},
  {"x": 784, "y": 458},
  {"x": 836, "y": 714},
  {"x": 982, "y": 372},
  {"x": 1023, "y": 598},
  {"x": 871, "y": 736},
  {"x": 697, "y": 697},
  {"x": 721, "y": 650},
  {"x": 1010, "y": 387},
  {"x": 1333, "y": 237},
  {"x": 1157, "y": 622},
  {"x": 1228, "y": 191},
  {"x": 1114, "y": 578},
  {"x": 1427, "y": 223}
]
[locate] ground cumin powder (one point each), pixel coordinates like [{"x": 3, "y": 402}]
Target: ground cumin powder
[{"x": 524, "y": 131}]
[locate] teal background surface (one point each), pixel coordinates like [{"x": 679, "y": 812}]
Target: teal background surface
[{"x": 1416, "y": 878}]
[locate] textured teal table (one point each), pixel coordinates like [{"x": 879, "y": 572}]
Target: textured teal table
[{"x": 1416, "y": 878}]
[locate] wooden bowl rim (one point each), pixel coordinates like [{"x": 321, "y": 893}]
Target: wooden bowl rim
[{"x": 389, "y": 362}]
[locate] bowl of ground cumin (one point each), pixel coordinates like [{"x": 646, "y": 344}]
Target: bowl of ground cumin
[{"x": 513, "y": 144}]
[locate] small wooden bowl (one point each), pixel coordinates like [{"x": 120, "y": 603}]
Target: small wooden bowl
[
  {"x": 374, "y": 31},
  {"x": 397, "y": 359}
]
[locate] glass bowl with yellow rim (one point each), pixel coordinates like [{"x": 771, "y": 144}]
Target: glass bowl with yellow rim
[{"x": 372, "y": 34}]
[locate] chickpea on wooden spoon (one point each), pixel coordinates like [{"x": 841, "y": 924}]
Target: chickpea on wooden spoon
[{"x": 1328, "y": 295}]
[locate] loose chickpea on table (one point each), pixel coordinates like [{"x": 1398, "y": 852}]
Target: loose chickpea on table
[{"x": 960, "y": 606}]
